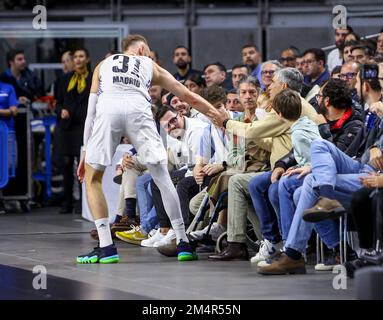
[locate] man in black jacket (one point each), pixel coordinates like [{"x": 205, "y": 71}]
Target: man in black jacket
[{"x": 26, "y": 84}]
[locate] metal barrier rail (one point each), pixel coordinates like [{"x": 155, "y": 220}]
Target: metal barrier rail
[
  {"x": 46, "y": 175},
  {"x": 4, "y": 166}
]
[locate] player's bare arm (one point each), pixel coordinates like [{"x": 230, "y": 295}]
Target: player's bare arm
[{"x": 164, "y": 79}]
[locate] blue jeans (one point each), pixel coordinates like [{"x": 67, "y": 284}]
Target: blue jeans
[
  {"x": 330, "y": 166},
  {"x": 148, "y": 215},
  {"x": 259, "y": 189},
  {"x": 286, "y": 189}
]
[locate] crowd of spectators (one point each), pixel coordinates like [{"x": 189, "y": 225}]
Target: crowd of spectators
[{"x": 297, "y": 144}]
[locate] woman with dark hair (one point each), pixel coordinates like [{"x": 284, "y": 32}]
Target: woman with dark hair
[
  {"x": 352, "y": 36},
  {"x": 71, "y": 119},
  {"x": 195, "y": 83}
]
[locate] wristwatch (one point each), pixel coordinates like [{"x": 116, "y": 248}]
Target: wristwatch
[{"x": 224, "y": 165}]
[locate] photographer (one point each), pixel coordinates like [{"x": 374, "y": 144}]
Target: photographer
[{"x": 369, "y": 90}]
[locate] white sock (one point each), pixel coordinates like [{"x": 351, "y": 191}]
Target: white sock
[
  {"x": 179, "y": 228},
  {"x": 104, "y": 235}
]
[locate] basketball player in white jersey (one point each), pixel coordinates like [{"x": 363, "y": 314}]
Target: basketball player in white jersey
[{"x": 119, "y": 105}]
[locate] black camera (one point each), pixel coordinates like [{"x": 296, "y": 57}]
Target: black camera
[{"x": 369, "y": 71}]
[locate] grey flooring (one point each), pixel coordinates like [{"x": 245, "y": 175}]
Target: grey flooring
[{"x": 44, "y": 237}]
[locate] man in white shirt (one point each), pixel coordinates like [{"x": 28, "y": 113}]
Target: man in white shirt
[
  {"x": 188, "y": 132},
  {"x": 334, "y": 58}
]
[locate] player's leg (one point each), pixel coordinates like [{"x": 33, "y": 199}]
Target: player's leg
[
  {"x": 106, "y": 252},
  {"x": 172, "y": 206},
  {"x": 99, "y": 153},
  {"x": 143, "y": 134}
]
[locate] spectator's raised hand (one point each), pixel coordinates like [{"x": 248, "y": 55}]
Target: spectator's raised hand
[
  {"x": 65, "y": 114},
  {"x": 377, "y": 107},
  {"x": 376, "y": 158},
  {"x": 24, "y": 100}
]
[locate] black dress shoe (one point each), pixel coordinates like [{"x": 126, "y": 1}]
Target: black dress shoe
[
  {"x": 65, "y": 209},
  {"x": 234, "y": 251}
]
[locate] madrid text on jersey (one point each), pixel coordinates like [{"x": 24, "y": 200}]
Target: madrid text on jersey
[{"x": 126, "y": 80}]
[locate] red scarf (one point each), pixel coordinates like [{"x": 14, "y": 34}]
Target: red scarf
[{"x": 337, "y": 125}]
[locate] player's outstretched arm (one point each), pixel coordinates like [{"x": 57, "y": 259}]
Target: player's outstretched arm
[{"x": 164, "y": 79}]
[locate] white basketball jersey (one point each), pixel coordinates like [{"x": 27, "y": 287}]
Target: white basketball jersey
[{"x": 121, "y": 74}]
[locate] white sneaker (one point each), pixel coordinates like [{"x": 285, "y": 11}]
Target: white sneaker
[
  {"x": 323, "y": 267},
  {"x": 215, "y": 231},
  {"x": 266, "y": 251},
  {"x": 166, "y": 240},
  {"x": 153, "y": 238}
]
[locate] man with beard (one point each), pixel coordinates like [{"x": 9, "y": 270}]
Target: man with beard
[
  {"x": 23, "y": 80},
  {"x": 348, "y": 73},
  {"x": 335, "y": 56},
  {"x": 252, "y": 58},
  {"x": 182, "y": 60}
]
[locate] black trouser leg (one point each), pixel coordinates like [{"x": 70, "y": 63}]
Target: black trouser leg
[
  {"x": 362, "y": 211},
  {"x": 163, "y": 218},
  {"x": 187, "y": 188},
  {"x": 68, "y": 180}
]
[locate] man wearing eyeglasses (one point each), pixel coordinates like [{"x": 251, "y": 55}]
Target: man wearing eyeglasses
[
  {"x": 315, "y": 60},
  {"x": 289, "y": 57},
  {"x": 268, "y": 69},
  {"x": 188, "y": 133},
  {"x": 348, "y": 73}
]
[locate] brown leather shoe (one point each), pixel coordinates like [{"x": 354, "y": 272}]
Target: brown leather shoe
[
  {"x": 325, "y": 208},
  {"x": 125, "y": 224},
  {"x": 233, "y": 251},
  {"x": 284, "y": 265}
]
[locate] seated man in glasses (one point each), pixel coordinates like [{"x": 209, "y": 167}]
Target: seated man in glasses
[
  {"x": 348, "y": 73},
  {"x": 315, "y": 59},
  {"x": 289, "y": 57},
  {"x": 268, "y": 69}
]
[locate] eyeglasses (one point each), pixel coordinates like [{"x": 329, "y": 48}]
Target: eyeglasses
[
  {"x": 172, "y": 121},
  {"x": 308, "y": 61},
  {"x": 282, "y": 59},
  {"x": 318, "y": 95},
  {"x": 348, "y": 75},
  {"x": 270, "y": 72}
]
